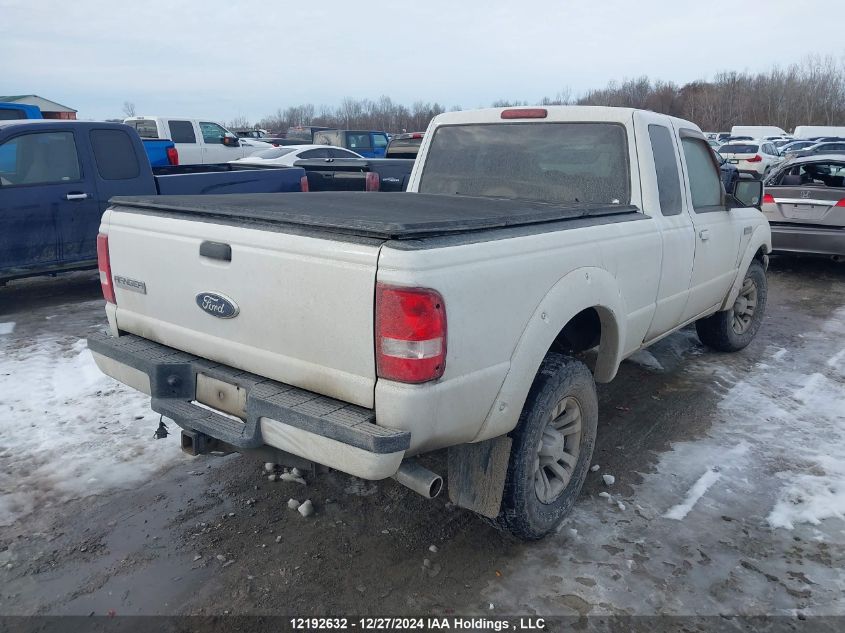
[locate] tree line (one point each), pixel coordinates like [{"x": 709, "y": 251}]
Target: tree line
[{"x": 811, "y": 92}]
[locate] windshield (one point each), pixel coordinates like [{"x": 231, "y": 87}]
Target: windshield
[
  {"x": 545, "y": 162},
  {"x": 276, "y": 152},
  {"x": 737, "y": 148}
]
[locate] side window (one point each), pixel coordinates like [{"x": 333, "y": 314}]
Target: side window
[
  {"x": 145, "y": 128},
  {"x": 379, "y": 141},
  {"x": 114, "y": 154},
  {"x": 704, "y": 182},
  {"x": 182, "y": 132},
  {"x": 315, "y": 153},
  {"x": 666, "y": 167},
  {"x": 39, "y": 158},
  {"x": 358, "y": 141},
  {"x": 212, "y": 133}
]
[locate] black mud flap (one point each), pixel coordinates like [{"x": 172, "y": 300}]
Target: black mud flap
[{"x": 477, "y": 475}]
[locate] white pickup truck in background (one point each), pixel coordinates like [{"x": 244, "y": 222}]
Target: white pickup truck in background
[
  {"x": 536, "y": 249},
  {"x": 198, "y": 141}
]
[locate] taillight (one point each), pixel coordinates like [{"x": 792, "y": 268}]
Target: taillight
[
  {"x": 104, "y": 266},
  {"x": 768, "y": 198},
  {"x": 525, "y": 113},
  {"x": 303, "y": 184},
  {"x": 410, "y": 334},
  {"x": 172, "y": 156},
  {"x": 757, "y": 158},
  {"x": 371, "y": 181},
  {"x": 841, "y": 203}
]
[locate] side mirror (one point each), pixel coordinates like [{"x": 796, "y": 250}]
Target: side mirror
[
  {"x": 231, "y": 141},
  {"x": 749, "y": 193}
]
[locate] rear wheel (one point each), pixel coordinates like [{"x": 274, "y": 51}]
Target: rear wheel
[
  {"x": 551, "y": 450},
  {"x": 732, "y": 330}
]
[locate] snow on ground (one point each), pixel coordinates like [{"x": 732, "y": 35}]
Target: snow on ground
[
  {"x": 749, "y": 519},
  {"x": 68, "y": 431},
  {"x": 7, "y": 328}
]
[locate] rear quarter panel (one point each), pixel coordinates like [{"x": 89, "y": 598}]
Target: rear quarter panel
[{"x": 506, "y": 301}]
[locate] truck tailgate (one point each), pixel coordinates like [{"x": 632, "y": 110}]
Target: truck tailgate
[{"x": 301, "y": 306}]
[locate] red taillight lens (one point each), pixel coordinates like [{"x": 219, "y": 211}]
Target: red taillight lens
[
  {"x": 768, "y": 198},
  {"x": 303, "y": 184},
  {"x": 757, "y": 158},
  {"x": 371, "y": 181},
  {"x": 525, "y": 113},
  {"x": 841, "y": 203},
  {"x": 410, "y": 334},
  {"x": 104, "y": 266},
  {"x": 172, "y": 156}
]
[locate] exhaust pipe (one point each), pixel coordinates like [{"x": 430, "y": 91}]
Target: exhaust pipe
[{"x": 419, "y": 479}]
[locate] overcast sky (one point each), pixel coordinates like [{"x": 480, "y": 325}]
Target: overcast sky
[{"x": 230, "y": 58}]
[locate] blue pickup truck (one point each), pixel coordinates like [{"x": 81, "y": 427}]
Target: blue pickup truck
[
  {"x": 56, "y": 178},
  {"x": 16, "y": 111}
]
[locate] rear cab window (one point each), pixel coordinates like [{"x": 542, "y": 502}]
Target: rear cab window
[
  {"x": 39, "y": 158},
  {"x": 146, "y": 128},
  {"x": 544, "y": 162},
  {"x": 358, "y": 142}
]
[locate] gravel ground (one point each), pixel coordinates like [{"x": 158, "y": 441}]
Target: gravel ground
[{"x": 727, "y": 492}]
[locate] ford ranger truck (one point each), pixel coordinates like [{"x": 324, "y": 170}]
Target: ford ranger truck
[{"x": 535, "y": 249}]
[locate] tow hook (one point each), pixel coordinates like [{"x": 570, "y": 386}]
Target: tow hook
[{"x": 161, "y": 432}]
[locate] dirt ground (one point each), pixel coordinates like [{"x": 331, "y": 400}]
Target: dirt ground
[{"x": 214, "y": 536}]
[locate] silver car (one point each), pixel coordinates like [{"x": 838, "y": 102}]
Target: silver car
[{"x": 804, "y": 201}]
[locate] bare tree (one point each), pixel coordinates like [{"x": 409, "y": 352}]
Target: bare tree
[{"x": 129, "y": 108}]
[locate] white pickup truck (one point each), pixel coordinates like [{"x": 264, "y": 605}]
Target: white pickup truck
[
  {"x": 537, "y": 248},
  {"x": 198, "y": 141}
]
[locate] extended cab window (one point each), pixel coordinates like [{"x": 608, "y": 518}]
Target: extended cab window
[
  {"x": 39, "y": 158},
  {"x": 212, "y": 133},
  {"x": 182, "y": 132},
  {"x": 114, "y": 154},
  {"x": 547, "y": 162},
  {"x": 704, "y": 181},
  {"x": 666, "y": 167}
]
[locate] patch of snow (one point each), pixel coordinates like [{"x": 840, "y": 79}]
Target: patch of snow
[
  {"x": 646, "y": 359},
  {"x": 608, "y": 480},
  {"x": 7, "y": 328},
  {"x": 68, "y": 431},
  {"x": 780, "y": 353},
  {"x": 680, "y": 511}
]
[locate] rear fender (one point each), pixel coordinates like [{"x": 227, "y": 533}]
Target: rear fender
[{"x": 580, "y": 289}]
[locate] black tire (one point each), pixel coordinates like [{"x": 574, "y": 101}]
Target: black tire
[
  {"x": 561, "y": 379},
  {"x": 718, "y": 331}
]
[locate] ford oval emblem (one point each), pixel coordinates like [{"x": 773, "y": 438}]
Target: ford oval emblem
[{"x": 217, "y": 305}]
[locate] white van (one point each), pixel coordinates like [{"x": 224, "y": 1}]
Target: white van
[
  {"x": 757, "y": 131},
  {"x": 815, "y": 131},
  {"x": 198, "y": 141}
]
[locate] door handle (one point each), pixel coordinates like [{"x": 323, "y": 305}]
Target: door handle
[
  {"x": 76, "y": 196},
  {"x": 704, "y": 234}
]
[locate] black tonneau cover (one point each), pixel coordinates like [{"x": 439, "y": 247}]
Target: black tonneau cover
[{"x": 383, "y": 215}]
